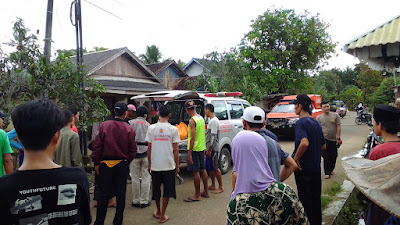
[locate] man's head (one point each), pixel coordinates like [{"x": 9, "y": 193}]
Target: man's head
[
  {"x": 131, "y": 110},
  {"x": 120, "y": 110},
  {"x": 142, "y": 111},
  {"x": 397, "y": 103},
  {"x": 165, "y": 111},
  {"x": 253, "y": 118},
  {"x": 38, "y": 124},
  {"x": 325, "y": 107},
  {"x": 68, "y": 118},
  {"x": 209, "y": 110},
  {"x": 75, "y": 112},
  {"x": 386, "y": 119},
  {"x": 2, "y": 117},
  {"x": 301, "y": 103},
  {"x": 190, "y": 107}
]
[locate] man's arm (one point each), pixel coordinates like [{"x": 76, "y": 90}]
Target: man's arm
[
  {"x": 338, "y": 131},
  {"x": 8, "y": 163},
  {"x": 301, "y": 150},
  {"x": 85, "y": 199},
  {"x": 192, "y": 131},
  {"x": 234, "y": 176},
  {"x": 149, "y": 156},
  {"x": 176, "y": 156},
  {"x": 289, "y": 167},
  {"x": 132, "y": 147},
  {"x": 76, "y": 155}
]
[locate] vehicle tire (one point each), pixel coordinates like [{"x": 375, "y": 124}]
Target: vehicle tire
[
  {"x": 358, "y": 121},
  {"x": 225, "y": 160}
]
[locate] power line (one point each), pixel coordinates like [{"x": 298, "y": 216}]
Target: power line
[{"x": 103, "y": 10}]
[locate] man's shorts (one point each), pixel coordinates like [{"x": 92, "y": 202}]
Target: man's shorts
[
  {"x": 167, "y": 178},
  {"x": 198, "y": 162},
  {"x": 212, "y": 164}
]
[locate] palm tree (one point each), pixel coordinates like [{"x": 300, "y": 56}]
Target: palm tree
[{"x": 152, "y": 55}]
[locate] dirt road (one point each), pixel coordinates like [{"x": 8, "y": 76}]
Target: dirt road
[{"x": 213, "y": 210}]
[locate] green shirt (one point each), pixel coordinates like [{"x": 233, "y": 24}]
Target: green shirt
[
  {"x": 200, "y": 138},
  {"x": 5, "y": 149},
  {"x": 68, "y": 152}
]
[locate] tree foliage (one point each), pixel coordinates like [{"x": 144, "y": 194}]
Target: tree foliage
[
  {"x": 152, "y": 55},
  {"x": 27, "y": 74}
]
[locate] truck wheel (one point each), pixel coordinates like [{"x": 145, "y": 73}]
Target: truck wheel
[{"x": 224, "y": 160}]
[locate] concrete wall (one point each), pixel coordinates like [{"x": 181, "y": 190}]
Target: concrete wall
[{"x": 194, "y": 70}]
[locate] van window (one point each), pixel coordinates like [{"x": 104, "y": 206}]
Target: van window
[
  {"x": 220, "y": 110},
  {"x": 245, "y": 105},
  {"x": 235, "y": 110},
  {"x": 176, "y": 109}
]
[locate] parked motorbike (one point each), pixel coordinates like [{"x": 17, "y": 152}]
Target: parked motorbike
[
  {"x": 372, "y": 141},
  {"x": 363, "y": 117},
  {"x": 342, "y": 111}
]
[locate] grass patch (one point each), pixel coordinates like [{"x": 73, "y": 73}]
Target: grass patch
[
  {"x": 329, "y": 194},
  {"x": 352, "y": 209}
]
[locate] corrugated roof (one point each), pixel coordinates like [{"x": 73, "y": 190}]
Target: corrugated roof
[{"x": 387, "y": 33}]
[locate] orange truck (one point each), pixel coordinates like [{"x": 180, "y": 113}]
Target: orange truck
[{"x": 282, "y": 118}]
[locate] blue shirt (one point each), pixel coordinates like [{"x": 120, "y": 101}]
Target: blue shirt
[
  {"x": 269, "y": 134},
  {"x": 15, "y": 144},
  {"x": 308, "y": 127}
]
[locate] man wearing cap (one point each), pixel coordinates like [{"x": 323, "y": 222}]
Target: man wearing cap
[
  {"x": 131, "y": 113},
  {"x": 309, "y": 142},
  {"x": 141, "y": 178},
  {"x": 6, "y": 159},
  {"x": 330, "y": 123},
  {"x": 196, "y": 147},
  {"x": 253, "y": 120},
  {"x": 113, "y": 149}
]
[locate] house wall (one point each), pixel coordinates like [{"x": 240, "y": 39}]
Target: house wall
[
  {"x": 122, "y": 66},
  {"x": 168, "y": 77},
  {"x": 194, "y": 70}
]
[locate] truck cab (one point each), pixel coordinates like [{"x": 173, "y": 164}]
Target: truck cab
[{"x": 282, "y": 118}]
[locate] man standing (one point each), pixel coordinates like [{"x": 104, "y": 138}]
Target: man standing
[
  {"x": 75, "y": 112},
  {"x": 138, "y": 167},
  {"x": 253, "y": 120},
  {"x": 6, "y": 159},
  {"x": 40, "y": 191},
  {"x": 212, "y": 155},
  {"x": 309, "y": 141},
  {"x": 330, "y": 123},
  {"x": 163, "y": 157},
  {"x": 16, "y": 144},
  {"x": 131, "y": 113},
  {"x": 196, "y": 147},
  {"x": 113, "y": 150}
]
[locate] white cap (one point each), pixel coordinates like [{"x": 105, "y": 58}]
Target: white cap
[{"x": 254, "y": 114}]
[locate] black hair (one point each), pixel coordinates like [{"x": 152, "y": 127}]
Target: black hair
[
  {"x": 67, "y": 116},
  {"x": 165, "y": 110},
  {"x": 324, "y": 102},
  {"x": 141, "y": 111},
  {"x": 255, "y": 125},
  {"x": 74, "y": 111},
  {"x": 306, "y": 108},
  {"x": 210, "y": 107},
  {"x": 391, "y": 127},
  {"x": 36, "y": 122}
]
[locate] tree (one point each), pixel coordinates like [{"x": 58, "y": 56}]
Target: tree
[
  {"x": 152, "y": 55},
  {"x": 27, "y": 74},
  {"x": 284, "y": 46},
  {"x": 181, "y": 63},
  {"x": 368, "y": 81}
]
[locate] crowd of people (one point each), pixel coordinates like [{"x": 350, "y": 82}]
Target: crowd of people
[{"x": 49, "y": 187}]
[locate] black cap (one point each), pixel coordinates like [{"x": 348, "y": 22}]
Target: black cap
[
  {"x": 385, "y": 113},
  {"x": 302, "y": 99},
  {"x": 190, "y": 104},
  {"x": 120, "y": 107},
  {"x": 3, "y": 115}
]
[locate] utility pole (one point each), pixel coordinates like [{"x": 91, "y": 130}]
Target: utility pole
[{"x": 49, "y": 25}]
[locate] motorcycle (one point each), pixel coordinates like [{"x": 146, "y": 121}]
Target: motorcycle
[
  {"x": 341, "y": 111},
  {"x": 363, "y": 117},
  {"x": 372, "y": 141}
]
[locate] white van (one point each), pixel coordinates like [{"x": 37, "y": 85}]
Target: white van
[{"x": 228, "y": 108}]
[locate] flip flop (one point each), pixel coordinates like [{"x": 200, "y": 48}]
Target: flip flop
[
  {"x": 156, "y": 216},
  {"x": 212, "y": 188},
  {"x": 204, "y": 196},
  {"x": 327, "y": 177},
  {"x": 190, "y": 199},
  {"x": 165, "y": 220},
  {"x": 218, "y": 191}
]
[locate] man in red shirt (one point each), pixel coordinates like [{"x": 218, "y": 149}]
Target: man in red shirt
[
  {"x": 113, "y": 150},
  {"x": 386, "y": 124}
]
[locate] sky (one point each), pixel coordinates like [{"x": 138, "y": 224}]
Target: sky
[{"x": 186, "y": 29}]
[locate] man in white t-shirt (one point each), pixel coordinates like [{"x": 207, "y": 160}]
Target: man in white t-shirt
[
  {"x": 163, "y": 157},
  {"x": 212, "y": 154}
]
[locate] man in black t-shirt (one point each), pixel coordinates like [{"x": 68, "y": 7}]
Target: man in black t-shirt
[
  {"x": 40, "y": 191},
  {"x": 309, "y": 142}
]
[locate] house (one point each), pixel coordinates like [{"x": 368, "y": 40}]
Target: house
[
  {"x": 195, "y": 67},
  {"x": 168, "y": 72},
  {"x": 122, "y": 73}
]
